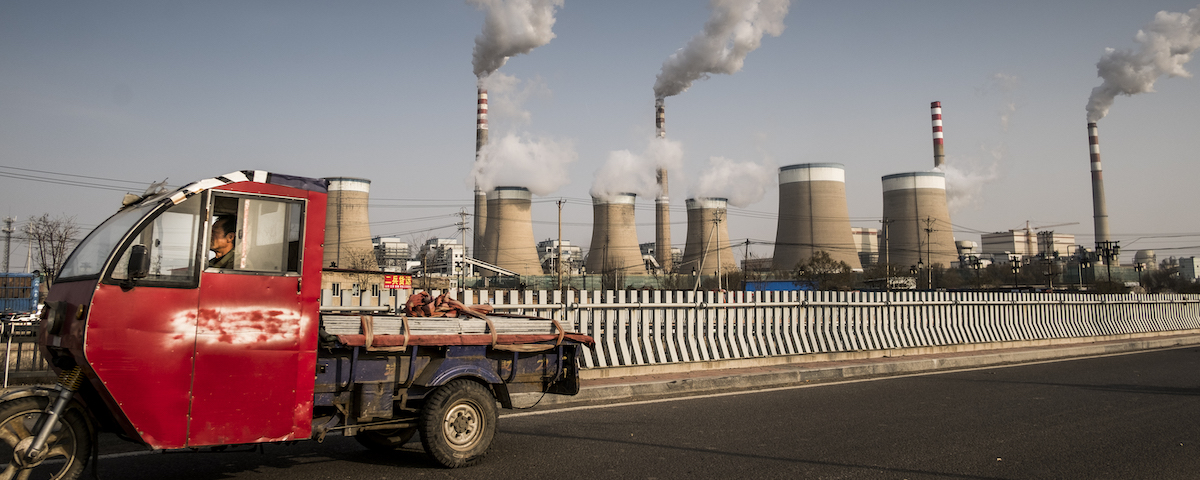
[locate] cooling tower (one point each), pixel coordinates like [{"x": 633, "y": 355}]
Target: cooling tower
[
  {"x": 939, "y": 153},
  {"x": 1099, "y": 210},
  {"x": 614, "y": 237},
  {"x": 662, "y": 203},
  {"x": 509, "y": 239},
  {"x": 479, "y": 241},
  {"x": 707, "y": 238},
  {"x": 813, "y": 216},
  {"x": 914, "y": 210},
  {"x": 347, "y": 231}
]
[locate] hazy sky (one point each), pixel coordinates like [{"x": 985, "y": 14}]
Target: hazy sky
[{"x": 100, "y": 98}]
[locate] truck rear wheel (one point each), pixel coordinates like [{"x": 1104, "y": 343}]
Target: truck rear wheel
[
  {"x": 458, "y": 423},
  {"x": 385, "y": 440},
  {"x": 65, "y": 454}
]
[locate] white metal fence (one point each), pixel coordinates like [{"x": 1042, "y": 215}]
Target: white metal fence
[{"x": 654, "y": 327}]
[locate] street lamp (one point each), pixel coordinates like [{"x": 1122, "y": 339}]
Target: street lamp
[
  {"x": 921, "y": 268},
  {"x": 583, "y": 272},
  {"x": 1139, "y": 267}
]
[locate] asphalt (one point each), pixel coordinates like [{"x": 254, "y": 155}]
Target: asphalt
[{"x": 650, "y": 382}]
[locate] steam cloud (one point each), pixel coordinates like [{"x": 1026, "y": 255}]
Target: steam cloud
[
  {"x": 743, "y": 183},
  {"x": 1165, "y": 45},
  {"x": 734, "y": 30},
  {"x": 511, "y": 27},
  {"x": 627, "y": 172},
  {"x": 537, "y": 164}
]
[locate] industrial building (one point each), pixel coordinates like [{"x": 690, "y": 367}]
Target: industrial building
[
  {"x": 866, "y": 243},
  {"x": 1026, "y": 243},
  {"x": 572, "y": 256},
  {"x": 392, "y": 254}
]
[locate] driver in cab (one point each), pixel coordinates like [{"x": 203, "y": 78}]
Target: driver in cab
[{"x": 224, "y": 231}]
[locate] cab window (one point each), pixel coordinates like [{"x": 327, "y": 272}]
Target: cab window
[
  {"x": 170, "y": 241},
  {"x": 254, "y": 235}
]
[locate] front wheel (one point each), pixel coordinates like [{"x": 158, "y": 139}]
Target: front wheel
[
  {"x": 458, "y": 423},
  {"x": 65, "y": 454}
]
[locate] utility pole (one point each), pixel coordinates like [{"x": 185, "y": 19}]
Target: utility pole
[
  {"x": 716, "y": 225},
  {"x": 928, "y": 248},
  {"x": 887, "y": 267},
  {"x": 462, "y": 235},
  {"x": 8, "y": 231},
  {"x": 558, "y": 259}
]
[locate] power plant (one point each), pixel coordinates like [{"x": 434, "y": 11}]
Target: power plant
[
  {"x": 917, "y": 227},
  {"x": 347, "y": 232},
  {"x": 707, "y": 250},
  {"x": 481, "y": 139},
  {"x": 614, "y": 246},
  {"x": 662, "y": 203},
  {"x": 509, "y": 243},
  {"x": 1099, "y": 209},
  {"x": 813, "y": 216}
]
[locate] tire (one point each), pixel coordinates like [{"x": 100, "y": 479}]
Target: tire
[
  {"x": 385, "y": 440},
  {"x": 67, "y": 448},
  {"x": 458, "y": 423}
]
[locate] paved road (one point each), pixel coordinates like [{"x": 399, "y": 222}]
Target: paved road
[{"x": 1125, "y": 416}]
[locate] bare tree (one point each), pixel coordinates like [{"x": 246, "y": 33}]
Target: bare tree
[
  {"x": 364, "y": 269},
  {"x": 52, "y": 237}
]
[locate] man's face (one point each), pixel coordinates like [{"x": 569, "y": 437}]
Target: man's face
[{"x": 222, "y": 242}]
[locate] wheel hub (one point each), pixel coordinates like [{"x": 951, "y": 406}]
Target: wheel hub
[
  {"x": 20, "y": 457},
  {"x": 462, "y": 425}
]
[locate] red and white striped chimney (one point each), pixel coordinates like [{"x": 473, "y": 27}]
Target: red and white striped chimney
[
  {"x": 481, "y": 138},
  {"x": 1099, "y": 210},
  {"x": 662, "y": 203},
  {"x": 939, "y": 154}
]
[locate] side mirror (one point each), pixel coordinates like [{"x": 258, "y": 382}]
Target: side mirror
[{"x": 139, "y": 262}]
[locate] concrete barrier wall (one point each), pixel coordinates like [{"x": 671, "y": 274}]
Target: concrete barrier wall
[{"x": 634, "y": 328}]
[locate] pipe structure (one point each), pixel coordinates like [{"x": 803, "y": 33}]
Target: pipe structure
[
  {"x": 919, "y": 229},
  {"x": 662, "y": 203},
  {"x": 1099, "y": 210},
  {"x": 813, "y": 216},
  {"x": 510, "y": 231},
  {"x": 939, "y": 153},
  {"x": 707, "y": 250},
  {"x": 614, "y": 246},
  {"x": 479, "y": 240}
]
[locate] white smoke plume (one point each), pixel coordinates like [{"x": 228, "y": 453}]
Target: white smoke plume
[
  {"x": 627, "y": 172},
  {"x": 511, "y": 27},
  {"x": 522, "y": 161},
  {"x": 742, "y": 183},
  {"x": 965, "y": 182},
  {"x": 735, "y": 29},
  {"x": 1165, "y": 45},
  {"x": 507, "y": 96}
]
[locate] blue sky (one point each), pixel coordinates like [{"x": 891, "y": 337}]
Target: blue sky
[{"x": 142, "y": 91}]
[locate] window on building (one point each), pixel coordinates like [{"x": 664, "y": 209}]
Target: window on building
[
  {"x": 354, "y": 290},
  {"x": 336, "y": 288}
]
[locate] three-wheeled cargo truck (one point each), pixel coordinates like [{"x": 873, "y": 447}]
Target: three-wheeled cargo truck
[{"x": 164, "y": 347}]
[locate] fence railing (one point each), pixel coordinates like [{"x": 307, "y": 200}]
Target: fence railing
[{"x": 653, "y": 327}]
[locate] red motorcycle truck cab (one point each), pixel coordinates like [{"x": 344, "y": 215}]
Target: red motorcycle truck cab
[{"x": 157, "y": 342}]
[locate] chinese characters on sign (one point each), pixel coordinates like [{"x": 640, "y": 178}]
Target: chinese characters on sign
[{"x": 403, "y": 282}]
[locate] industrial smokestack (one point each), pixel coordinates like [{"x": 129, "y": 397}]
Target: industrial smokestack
[
  {"x": 509, "y": 240},
  {"x": 479, "y": 242},
  {"x": 917, "y": 220},
  {"x": 662, "y": 203},
  {"x": 1099, "y": 210},
  {"x": 707, "y": 238},
  {"x": 614, "y": 246},
  {"x": 347, "y": 228},
  {"x": 813, "y": 216},
  {"x": 939, "y": 155}
]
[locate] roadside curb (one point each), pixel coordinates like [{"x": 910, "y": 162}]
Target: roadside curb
[{"x": 693, "y": 383}]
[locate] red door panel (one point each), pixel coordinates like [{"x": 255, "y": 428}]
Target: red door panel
[{"x": 143, "y": 357}]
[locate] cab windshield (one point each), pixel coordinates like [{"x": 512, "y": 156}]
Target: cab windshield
[{"x": 89, "y": 257}]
